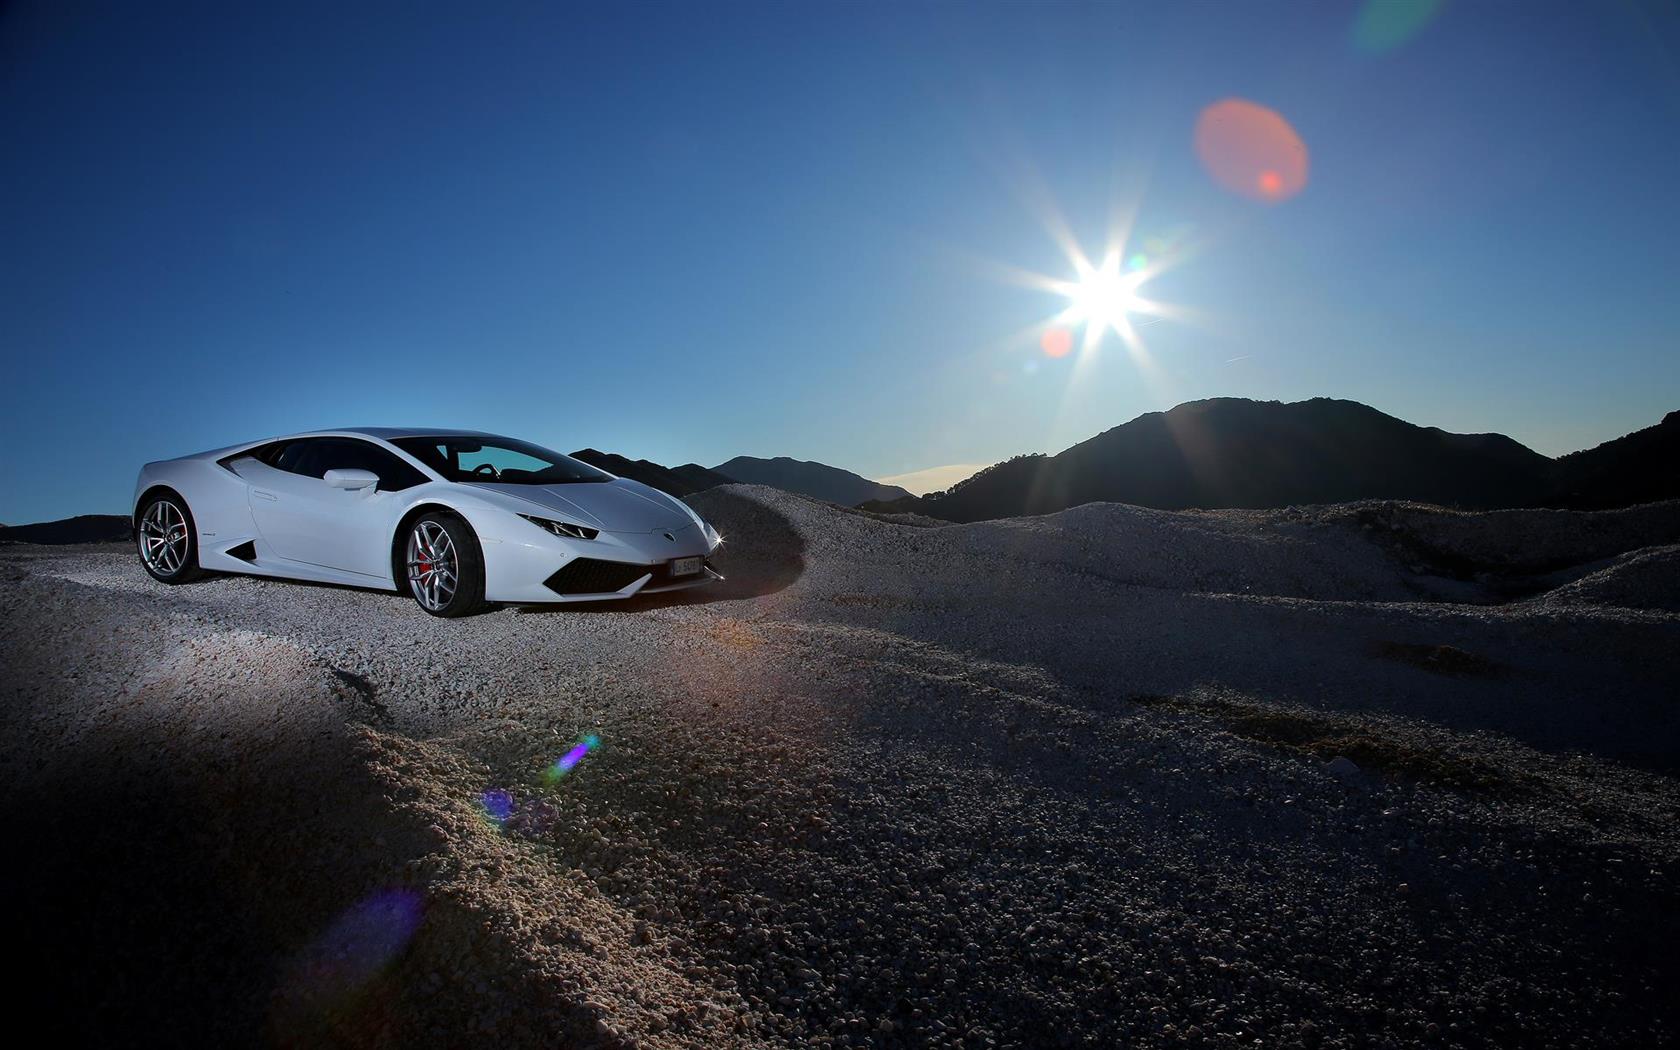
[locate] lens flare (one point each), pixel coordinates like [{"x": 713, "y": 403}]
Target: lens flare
[
  {"x": 1251, "y": 150},
  {"x": 364, "y": 939},
  {"x": 567, "y": 762},
  {"x": 1056, "y": 342},
  {"x": 1383, "y": 25},
  {"x": 497, "y": 804}
]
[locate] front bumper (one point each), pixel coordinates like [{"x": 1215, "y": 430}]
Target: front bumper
[
  {"x": 519, "y": 570},
  {"x": 588, "y": 577}
]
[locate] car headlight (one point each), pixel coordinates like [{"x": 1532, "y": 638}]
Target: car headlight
[{"x": 563, "y": 528}]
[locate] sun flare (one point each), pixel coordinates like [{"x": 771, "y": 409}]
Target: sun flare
[{"x": 1102, "y": 298}]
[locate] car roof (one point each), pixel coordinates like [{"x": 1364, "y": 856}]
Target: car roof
[
  {"x": 387, "y": 433},
  {"x": 379, "y": 433}
]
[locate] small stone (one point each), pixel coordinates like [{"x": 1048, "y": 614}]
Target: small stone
[{"x": 1341, "y": 766}]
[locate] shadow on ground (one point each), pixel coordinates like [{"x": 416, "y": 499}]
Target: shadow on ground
[
  {"x": 123, "y": 917},
  {"x": 152, "y": 910}
]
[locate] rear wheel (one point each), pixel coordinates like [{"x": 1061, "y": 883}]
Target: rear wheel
[
  {"x": 167, "y": 540},
  {"x": 444, "y": 565}
]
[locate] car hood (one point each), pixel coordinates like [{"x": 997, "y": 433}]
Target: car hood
[{"x": 619, "y": 505}]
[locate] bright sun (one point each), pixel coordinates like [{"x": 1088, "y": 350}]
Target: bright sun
[{"x": 1102, "y": 298}]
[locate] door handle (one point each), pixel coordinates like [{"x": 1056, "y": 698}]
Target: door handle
[{"x": 260, "y": 494}]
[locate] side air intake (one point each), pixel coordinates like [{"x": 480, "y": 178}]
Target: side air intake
[{"x": 246, "y": 551}]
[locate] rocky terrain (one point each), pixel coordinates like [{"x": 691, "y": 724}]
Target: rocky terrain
[{"x": 1372, "y": 774}]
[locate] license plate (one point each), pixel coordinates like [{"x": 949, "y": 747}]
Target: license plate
[{"x": 685, "y": 566}]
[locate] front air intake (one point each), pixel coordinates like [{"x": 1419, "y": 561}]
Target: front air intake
[{"x": 594, "y": 576}]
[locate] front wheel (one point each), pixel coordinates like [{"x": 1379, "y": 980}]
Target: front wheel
[
  {"x": 445, "y": 568},
  {"x": 167, "y": 540}
]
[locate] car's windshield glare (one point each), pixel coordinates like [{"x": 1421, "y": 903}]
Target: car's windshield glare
[{"x": 504, "y": 460}]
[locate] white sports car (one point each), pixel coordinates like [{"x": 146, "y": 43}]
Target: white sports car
[{"x": 460, "y": 519}]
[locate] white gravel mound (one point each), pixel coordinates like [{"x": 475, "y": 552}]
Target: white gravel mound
[{"x": 1644, "y": 579}]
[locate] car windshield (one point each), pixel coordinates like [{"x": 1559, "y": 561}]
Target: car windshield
[{"x": 472, "y": 457}]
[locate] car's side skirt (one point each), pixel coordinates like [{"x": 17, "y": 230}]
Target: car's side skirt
[{"x": 251, "y": 556}]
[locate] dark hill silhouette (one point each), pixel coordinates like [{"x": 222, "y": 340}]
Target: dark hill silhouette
[
  {"x": 811, "y": 479},
  {"x": 1641, "y": 467},
  {"x": 1224, "y": 452},
  {"x": 674, "y": 481},
  {"x": 83, "y": 528},
  {"x": 1233, "y": 452}
]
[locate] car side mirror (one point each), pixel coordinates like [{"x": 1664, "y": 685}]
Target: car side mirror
[{"x": 350, "y": 478}]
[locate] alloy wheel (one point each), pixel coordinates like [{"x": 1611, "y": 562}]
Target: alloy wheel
[
  {"x": 163, "y": 538},
  {"x": 433, "y": 568}
]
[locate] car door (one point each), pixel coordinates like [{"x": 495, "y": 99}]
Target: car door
[{"x": 304, "y": 519}]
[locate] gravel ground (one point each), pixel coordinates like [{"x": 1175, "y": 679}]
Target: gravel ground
[{"x": 1367, "y": 775}]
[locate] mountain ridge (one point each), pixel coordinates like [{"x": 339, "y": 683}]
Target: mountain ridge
[
  {"x": 1208, "y": 454},
  {"x": 673, "y": 481},
  {"x": 809, "y": 478},
  {"x": 1241, "y": 453},
  {"x": 82, "y": 528}
]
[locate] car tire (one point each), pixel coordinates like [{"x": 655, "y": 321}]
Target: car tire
[
  {"x": 166, "y": 539},
  {"x": 443, "y": 565}
]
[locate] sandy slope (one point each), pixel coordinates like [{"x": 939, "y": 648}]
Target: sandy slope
[{"x": 1074, "y": 780}]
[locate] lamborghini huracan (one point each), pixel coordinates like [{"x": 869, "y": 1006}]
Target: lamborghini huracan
[{"x": 460, "y": 520}]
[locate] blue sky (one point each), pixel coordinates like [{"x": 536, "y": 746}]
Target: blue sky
[{"x": 688, "y": 232}]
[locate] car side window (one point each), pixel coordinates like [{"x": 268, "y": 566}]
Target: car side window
[
  {"x": 287, "y": 456},
  {"x": 313, "y": 457}
]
